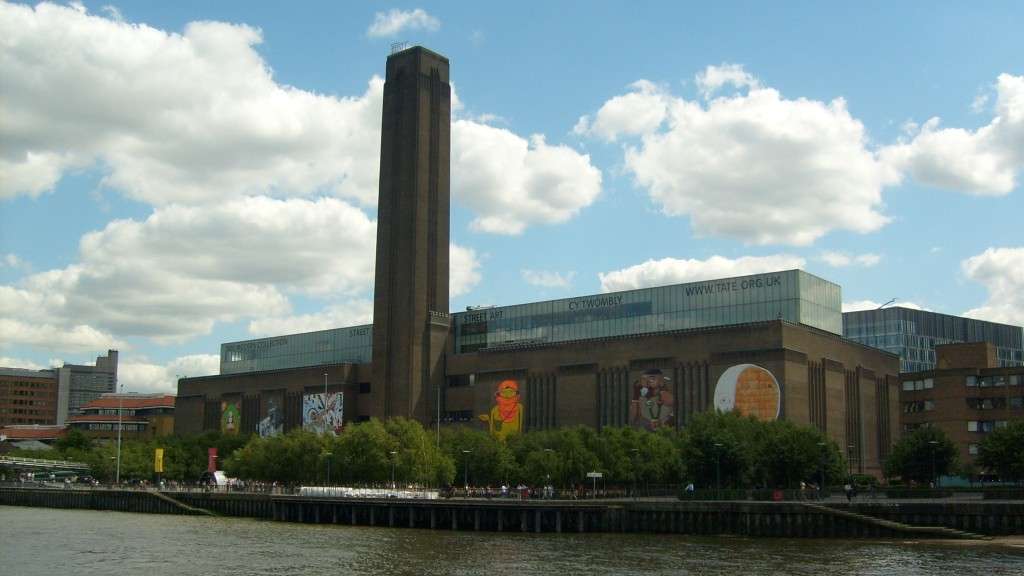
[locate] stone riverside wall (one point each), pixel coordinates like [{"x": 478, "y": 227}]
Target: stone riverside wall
[{"x": 770, "y": 519}]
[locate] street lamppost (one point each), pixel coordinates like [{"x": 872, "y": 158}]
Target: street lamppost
[
  {"x": 547, "y": 468},
  {"x": 821, "y": 467},
  {"x": 635, "y": 455},
  {"x": 718, "y": 470},
  {"x": 849, "y": 454},
  {"x": 394, "y": 461},
  {"x": 323, "y": 417},
  {"x": 465, "y": 476},
  {"x": 327, "y": 458},
  {"x": 120, "y": 407},
  {"x": 933, "y": 444}
]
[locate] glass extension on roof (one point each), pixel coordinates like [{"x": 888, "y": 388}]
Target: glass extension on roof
[
  {"x": 340, "y": 345},
  {"x": 793, "y": 295}
]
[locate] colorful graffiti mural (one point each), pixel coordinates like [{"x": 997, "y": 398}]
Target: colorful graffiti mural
[
  {"x": 322, "y": 413},
  {"x": 653, "y": 406},
  {"x": 230, "y": 417},
  {"x": 506, "y": 416},
  {"x": 273, "y": 423},
  {"x": 750, "y": 390}
]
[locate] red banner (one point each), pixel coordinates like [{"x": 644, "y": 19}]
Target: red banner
[{"x": 211, "y": 461}]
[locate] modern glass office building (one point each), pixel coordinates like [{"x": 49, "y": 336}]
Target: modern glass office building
[
  {"x": 336, "y": 346},
  {"x": 913, "y": 335},
  {"x": 793, "y": 295}
]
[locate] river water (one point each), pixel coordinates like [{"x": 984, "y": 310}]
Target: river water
[{"x": 47, "y": 541}]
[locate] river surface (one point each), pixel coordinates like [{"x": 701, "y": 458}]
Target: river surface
[{"x": 48, "y": 541}]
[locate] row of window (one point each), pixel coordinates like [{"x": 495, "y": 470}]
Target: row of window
[
  {"x": 995, "y": 381},
  {"x": 113, "y": 411},
  {"x": 985, "y": 425},
  {"x": 102, "y": 426},
  {"x": 28, "y": 402},
  {"x": 22, "y": 411},
  {"x": 27, "y": 420},
  {"x": 995, "y": 403},
  {"x": 918, "y": 406},
  {"x": 24, "y": 391},
  {"x": 458, "y": 416},
  {"x": 911, "y": 385}
]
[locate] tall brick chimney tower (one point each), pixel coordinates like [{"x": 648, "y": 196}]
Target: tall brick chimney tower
[{"x": 410, "y": 301}]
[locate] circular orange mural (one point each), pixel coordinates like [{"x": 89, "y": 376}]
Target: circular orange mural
[
  {"x": 757, "y": 394},
  {"x": 750, "y": 390}
]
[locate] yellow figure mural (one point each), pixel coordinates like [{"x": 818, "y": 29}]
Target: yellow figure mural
[{"x": 506, "y": 416}]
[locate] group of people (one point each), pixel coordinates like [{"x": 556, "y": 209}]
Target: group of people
[{"x": 519, "y": 492}]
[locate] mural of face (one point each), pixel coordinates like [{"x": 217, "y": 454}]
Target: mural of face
[
  {"x": 230, "y": 418},
  {"x": 506, "y": 416},
  {"x": 750, "y": 390},
  {"x": 653, "y": 405}
]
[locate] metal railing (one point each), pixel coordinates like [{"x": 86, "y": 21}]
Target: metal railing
[{"x": 15, "y": 461}]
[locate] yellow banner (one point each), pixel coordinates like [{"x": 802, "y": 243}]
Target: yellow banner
[{"x": 158, "y": 460}]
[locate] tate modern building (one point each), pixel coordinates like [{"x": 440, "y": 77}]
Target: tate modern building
[{"x": 769, "y": 345}]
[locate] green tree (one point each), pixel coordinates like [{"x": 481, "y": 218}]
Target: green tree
[
  {"x": 294, "y": 457},
  {"x": 74, "y": 439},
  {"x": 786, "y": 454},
  {"x": 922, "y": 456},
  {"x": 719, "y": 445},
  {"x": 628, "y": 455},
  {"x": 419, "y": 459},
  {"x": 1002, "y": 452},
  {"x": 560, "y": 456},
  {"x": 490, "y": 461}
]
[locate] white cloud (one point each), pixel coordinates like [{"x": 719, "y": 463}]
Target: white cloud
[
  {"x": 113, "y": 12},
  {"x": 858, "y": 305},
  {"x": 197, "y": 118},
  {"x": 548, "y": 278},
  {"x": 1001, "y": 272},
  {"x": 756, "y": 166},
  {"x": 394, "y": 21},
  {"x": 463, "y": 270},
  {"x": 982, "y": 162},
  {"x": 713, "y": 78},
  {"x": 63, "y": 338},
  {"x": 676, "y": 271},
  {"x": 8, "y": 362},
  {"x": 843, "y": 259},
  {"x": 351, "y": 313},
  {"x": 194, "y": 117},
  {"x": 979, "y": 103},
  {"x": 11, "y": 260},
  {"x": 146, "y": 377},
  {"x": 464, "y": 274},
  {"x": 177, "y": 273},
  {"x": 639, "y": 112},
  {"x": 512, "y": 182}
]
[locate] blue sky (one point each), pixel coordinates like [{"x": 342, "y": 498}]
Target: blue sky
[{"x": 177, "y": 175}]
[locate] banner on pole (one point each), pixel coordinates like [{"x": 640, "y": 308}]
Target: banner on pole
[{"x": 158, "y": 460}]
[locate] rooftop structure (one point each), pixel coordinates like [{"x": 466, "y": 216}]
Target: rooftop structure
[
  {"x": 913, "y": 335},
  {"x": 138, "y": 415}
]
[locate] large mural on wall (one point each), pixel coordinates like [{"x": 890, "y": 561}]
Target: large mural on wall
[
  {"x": 322, "y": 413},
  {"x": 750, "y": 390},
  {"x": 506, "y": 416},
  {"x": 652, "y": 405},
  {"x": 230, "y": 417},
  {"x": 273, "y": 423}
]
